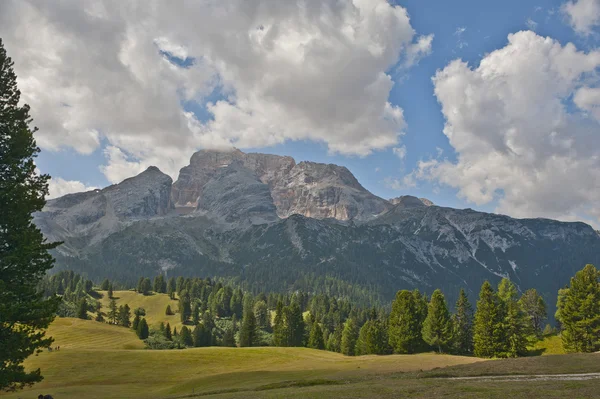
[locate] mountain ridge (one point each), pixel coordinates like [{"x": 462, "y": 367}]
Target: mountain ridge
[{"x": 275, "y": 223}]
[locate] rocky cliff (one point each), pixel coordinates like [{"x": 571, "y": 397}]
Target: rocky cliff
[{"x": 311, "y": 189}]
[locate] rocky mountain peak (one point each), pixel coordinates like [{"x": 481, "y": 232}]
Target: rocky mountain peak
[
  {"x": 410, "y": 201},
  {"x": 307, "y": 188}
]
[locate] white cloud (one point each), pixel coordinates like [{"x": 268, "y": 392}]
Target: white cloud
[
  {"x": 531, "y": 24},
  {"x": 293, "y": 70},
  {"x": 515, "y": 140},
  {"x": 583, "y": 15},
  {"x": 58, "y": 187},
  {"x": 406, "y": 182},
  {"x": 400, "y": 152}
]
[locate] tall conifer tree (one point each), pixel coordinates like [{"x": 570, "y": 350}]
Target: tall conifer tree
[
  {"x": 488, "y": 330},
  {"x": 24, "y": 256},
  {"x": 462, "y": 325},
  {"x": 437, "y": 330}
]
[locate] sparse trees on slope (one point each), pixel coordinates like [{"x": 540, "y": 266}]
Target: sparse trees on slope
[
  {"x": 462, "y": 325},
  {"x": 579, "y": 311},
  {"x": 436, "y": 327},
  {"x": 24, "y": 256},
  {"x": 488, "y": 330}
]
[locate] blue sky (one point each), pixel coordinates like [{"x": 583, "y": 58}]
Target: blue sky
[{"x": 464, "y": 29}]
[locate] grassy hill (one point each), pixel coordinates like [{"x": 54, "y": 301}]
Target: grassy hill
[
  {"x": 154, "y": 304},
  {"x": 98, "y": 360}
]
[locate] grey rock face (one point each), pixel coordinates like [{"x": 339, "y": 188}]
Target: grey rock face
[
  {"x": 89, "y": 217},
  {"x": 236, "y": 195},
  {"x": 310, "y": 189},
  {"x": 410, "y": 201}
]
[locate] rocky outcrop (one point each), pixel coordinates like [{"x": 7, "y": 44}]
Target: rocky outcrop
[
  {"x": 236, "y": 195},
  {"x": 310, "y": 189},
  {"x": 410, "y": 201}
]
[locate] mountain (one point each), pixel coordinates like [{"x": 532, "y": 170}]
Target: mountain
[
  {"x": 276, "y": 225},
  {"x": 311, "y": 189}
]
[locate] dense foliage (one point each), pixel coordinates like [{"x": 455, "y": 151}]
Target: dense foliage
[{"x": 24, "y": 256}]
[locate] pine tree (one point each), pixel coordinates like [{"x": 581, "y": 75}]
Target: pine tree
[
  {"x": 168, "y": 311},
  {"x": 262, "y": 315},
  {"x": 377, "y": 338},
  {"x": 349, "y": 337},
  {"x": 534, "y": 307},
  {"x": 168, "y": 334},
  {"x": 145, "y": 286},
  {"x": 579, "y": 312},
  {"x": 195, "y": 314},
  {"x": 171, "y": 288},
  {"x": 279, "y": 336},
  {"x": 113, "y": 311},
  {"x": 516, "y": 327},
  {"x": 248, "y": 329},
  {"x": 136, "y": 322},
  {"x": 405, "y": 322},
  {"x": 82, "y": 310},
  {"x": 361, "y": 342},
  {"x": 462, "y": 325},
  {"x": 334, "y": 340},
  {"x": 488, "y": 329},
  {"x": 185, "y": 310},
  {"x": 175, "y": 334},
  {"x": 315, "y": 339},
  {"x": 24, "y": 256},
  {"x": 143, "y": 331},
  {"x": 99, "y": 318},
  {"x": 105, "y": 284},
  {"x": 125, "y": 316},
  {"x": 160, "y": 286},
  {"x": 294, "y": 325},
  {"x": 229, "y": 338},
  {"x": 185, "y": 336},
  {"x": 198, "y": 336},
  {"x": 437, "y": 329}
]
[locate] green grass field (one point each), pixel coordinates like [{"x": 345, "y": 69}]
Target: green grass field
[
  {"x": 98, "y": 360},
  {"x": 155, "y": 306}
]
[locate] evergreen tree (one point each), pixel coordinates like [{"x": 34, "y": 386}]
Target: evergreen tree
[
  {"x": 136, "y": 322},
  {"x": 168, "y": 311},
  {"x": 516, "y": 327},
  {"x": 198, "y": 336},
  {"x": 185, "y": 336},
  {"x": 361, "y": 342},
  {"x": 112, "y": 311},
  {"x": 262, "y": 315},
  {"x": 405, "y": 323},
  {"x": 99, "y": 317},
  {"x": 279, "y": 336},
  {"x": 377, "y": 338},
  {"x": 462, "y": 325},
  {"x": 175, "y": 334},
  {"x": 534, "y": 307},
  {"x": 82, "y": 310},
  {"x": 229, "y": 338},
  {"x": 125, "y": 316},
  {"x": 105, "y": 284},
  {"x": 185, "y": 310},
  {"x": 143, "y": 331},
  {"x": 315, "y": 339},
  {"x": 437, "y": 329},
  {"x": 334, "y": 340},
  {"x": 168, "y": 332},
  {"x": 110, "y": 291},
  {"x": 171, "y": 288},
  {"x": 349, "y": 337},
  {"x": 294, "y": 325},
  {"x": 579, "y": 312},
  {"x": 160, "y": 286},
  {"x": 248, "y": 329},
  {"x": 236, "y": 304},
  {"x": 195, "y": 314},
  {"x": 145, "y": 286},
  {"x": 488, "y": 329},
  {"x": 24, "y": 256}
]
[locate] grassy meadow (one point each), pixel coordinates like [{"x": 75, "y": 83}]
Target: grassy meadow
[{"x": 99, "y": 360}]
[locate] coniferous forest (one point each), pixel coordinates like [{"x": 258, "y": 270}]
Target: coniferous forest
[{"x": 502, "y": 324}]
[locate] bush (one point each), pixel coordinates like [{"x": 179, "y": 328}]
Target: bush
[{"x": 158, "y": 341}]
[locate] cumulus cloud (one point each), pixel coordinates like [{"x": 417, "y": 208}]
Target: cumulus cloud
[
  {"x": 58, "y": 187},
  {"x": 583, "y": 15},
  {"x": 516, "y": 140},
  {"x": 120, "y": 72}
]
